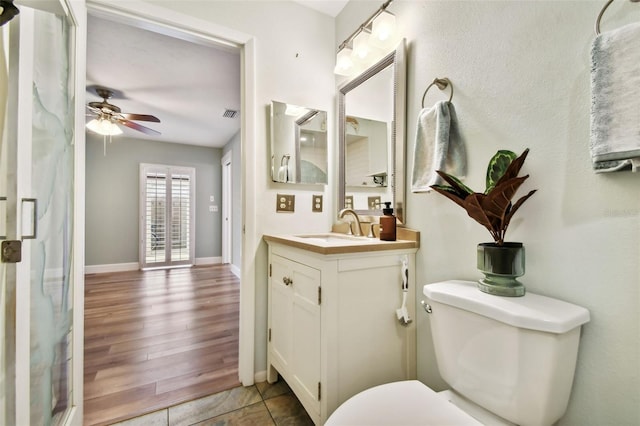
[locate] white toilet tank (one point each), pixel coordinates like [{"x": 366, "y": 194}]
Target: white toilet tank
[{"x": 514, "y": 356}]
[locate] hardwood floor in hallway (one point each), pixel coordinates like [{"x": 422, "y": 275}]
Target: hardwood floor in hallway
[{"x": 158, "y": 338}]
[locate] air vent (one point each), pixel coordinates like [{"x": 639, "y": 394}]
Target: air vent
[{"x": 230, "y": 113}]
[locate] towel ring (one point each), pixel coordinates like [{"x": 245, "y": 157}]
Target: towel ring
[
  {"x": 442, "y": 84},
  {"x": 602, "y": 13}
]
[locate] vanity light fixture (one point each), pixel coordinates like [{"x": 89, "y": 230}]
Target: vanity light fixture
[{"x": 372, "y": 40}]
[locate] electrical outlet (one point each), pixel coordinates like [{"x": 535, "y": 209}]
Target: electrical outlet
[
  {"x": 348, "y": 201},
  {"x": 374, "y": 203},
  {"x": 285, "y": 203},
  {"x": 316, "y": 205}
]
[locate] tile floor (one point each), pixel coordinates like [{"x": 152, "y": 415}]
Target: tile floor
[{"x": 261, "y": 404}]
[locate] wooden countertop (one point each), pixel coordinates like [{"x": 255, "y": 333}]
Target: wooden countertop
[{"x": 338, "y": 243}]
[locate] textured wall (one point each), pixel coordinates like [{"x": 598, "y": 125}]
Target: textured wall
[{"x": 521, "y": 76}]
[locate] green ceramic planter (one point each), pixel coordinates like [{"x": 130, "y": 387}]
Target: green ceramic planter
[{"x": 501, "y": 266}]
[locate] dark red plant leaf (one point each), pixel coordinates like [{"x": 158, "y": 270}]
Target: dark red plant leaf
[
  {"x": 455, "y": 183},
  {"x": 516, "y": 206},
  {"x": 473, "y": 206},
  {"x": 514, "y": 168},
  {"x": 498, "y": 201},
  {"x": 450, "y": 193}
]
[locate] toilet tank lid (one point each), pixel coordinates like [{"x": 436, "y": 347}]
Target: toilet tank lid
[{"x": 530, "y": 311}]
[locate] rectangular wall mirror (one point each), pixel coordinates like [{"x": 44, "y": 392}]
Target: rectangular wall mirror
[
  {"x": 371, "y": 120},
  {"x": 298, "y": 144}
]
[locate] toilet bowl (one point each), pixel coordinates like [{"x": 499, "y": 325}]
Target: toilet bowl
[
  {"x": 508, "y": 360},
  {"x": 405, "y": 403}
]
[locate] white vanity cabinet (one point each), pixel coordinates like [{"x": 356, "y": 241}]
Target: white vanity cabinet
[{"x": 333, "y": 328}]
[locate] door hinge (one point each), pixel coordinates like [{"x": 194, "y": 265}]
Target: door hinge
[
  {"x": 319, "y": 295},
  {"x": 270, "y": 270},
  {"x": 269, "y": 334},
  {"x": 11, "y": 251},
  {"x": 319, "y": 391}
]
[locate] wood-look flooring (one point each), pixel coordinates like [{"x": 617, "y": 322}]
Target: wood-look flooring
[{"x": 158, "y": 338}]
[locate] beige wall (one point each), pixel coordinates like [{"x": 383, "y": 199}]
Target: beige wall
[{"x": 521, "y": 76}]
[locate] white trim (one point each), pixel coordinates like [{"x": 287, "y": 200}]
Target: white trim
[
  {"x": 260, "y": 376},
  {"x": 24, "y": 32},
  {"x": 250, "y": 237},
  {"x": 227, "y": 206},
  {"x": 78, "y": 11},
  {"x": 113, "y": 267},
  {"x": 149, "y": 15},
  {"x": 235, "y": 270}
]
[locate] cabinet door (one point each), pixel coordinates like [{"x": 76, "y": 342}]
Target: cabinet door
[
  {"x": 306, "y": 330},
  {"x": 294, "y": 312},
  {"x": 281, "y": 313}
]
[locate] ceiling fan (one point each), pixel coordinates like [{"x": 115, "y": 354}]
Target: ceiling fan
[{"x": 108, "y": 116}]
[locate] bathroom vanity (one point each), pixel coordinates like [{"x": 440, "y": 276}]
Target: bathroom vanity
[{"x": 333, "y": 328}]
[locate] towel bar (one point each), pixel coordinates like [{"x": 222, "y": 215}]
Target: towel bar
[
  {"x": 442, "y": 84},
  {"x": 602, "y": 13}
]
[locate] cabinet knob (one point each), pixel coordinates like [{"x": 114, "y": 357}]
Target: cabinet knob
[{"x": 287, "y": 280}]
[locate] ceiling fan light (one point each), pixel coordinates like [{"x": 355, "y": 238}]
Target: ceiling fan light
[{"x": 103, "y": 127}]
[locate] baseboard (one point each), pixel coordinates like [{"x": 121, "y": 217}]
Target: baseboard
[
  {"x": 208, "y": 260},
  {"x": 122, "y": 267},
  {"x": 114, "y": 267},
  {"x": 236, "y": 271},
  {"x": 260, "y": 376}
]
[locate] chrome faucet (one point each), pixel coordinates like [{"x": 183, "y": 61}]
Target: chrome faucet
[{"x": 358, "y": 230}]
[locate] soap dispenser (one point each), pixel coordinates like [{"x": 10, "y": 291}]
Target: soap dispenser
[{"x": 388, "y": 224}]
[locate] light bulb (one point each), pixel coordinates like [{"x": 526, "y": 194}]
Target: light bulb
[
  {"x": 361, "y": 47},
  {"x": 364, "y": 53},
  {"x": 344, "y": 63},
  {"x": 104, "y": 126},
  {"x": 383, "y": 30}
]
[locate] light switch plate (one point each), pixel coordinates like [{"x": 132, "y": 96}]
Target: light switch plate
[
  {"x": 316, "y": 203},
  {"x": 285, "y": 203}
]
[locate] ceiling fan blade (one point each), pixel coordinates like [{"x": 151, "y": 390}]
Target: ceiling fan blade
[
  {"x": 141, "y": 117},
  {"x": 138, "y": 127}
]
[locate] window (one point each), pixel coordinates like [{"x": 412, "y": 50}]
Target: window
[{"x": 166, "y": 215}]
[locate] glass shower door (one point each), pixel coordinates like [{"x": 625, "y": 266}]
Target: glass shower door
[{"x": 37, "y": 175}]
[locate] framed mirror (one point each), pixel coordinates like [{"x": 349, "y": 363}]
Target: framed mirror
[
  {"x": 371, "y": 121},
  {"x": 298, "y": 144}
]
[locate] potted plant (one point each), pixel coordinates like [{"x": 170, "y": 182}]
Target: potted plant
[{"x": 501, "y": 262}]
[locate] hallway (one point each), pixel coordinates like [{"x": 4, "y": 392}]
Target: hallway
[{"x": 158, "y": 338}]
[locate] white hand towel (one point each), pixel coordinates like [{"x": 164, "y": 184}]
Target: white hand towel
[
  {"x": 438, "y": 147},
  {"x": 615, "y": 99}
]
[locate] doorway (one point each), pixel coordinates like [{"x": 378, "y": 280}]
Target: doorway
[{"x": 187, "y": 28}]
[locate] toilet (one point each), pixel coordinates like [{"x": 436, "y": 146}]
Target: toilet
[{"x": 507, "y": 360}]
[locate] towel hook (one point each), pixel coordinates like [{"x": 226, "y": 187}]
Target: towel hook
[
  {"x": 442, "y": 84},
  {"x": 602, "y": 13}
]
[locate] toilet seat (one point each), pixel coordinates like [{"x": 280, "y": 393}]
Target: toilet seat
[{"x": 404, "y": 403}]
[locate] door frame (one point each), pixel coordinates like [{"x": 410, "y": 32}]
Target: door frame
[
  {"x": 227, "y": 200},
  {"x": 76, "y": 12},
  {"x": 175, "y": 24}
]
